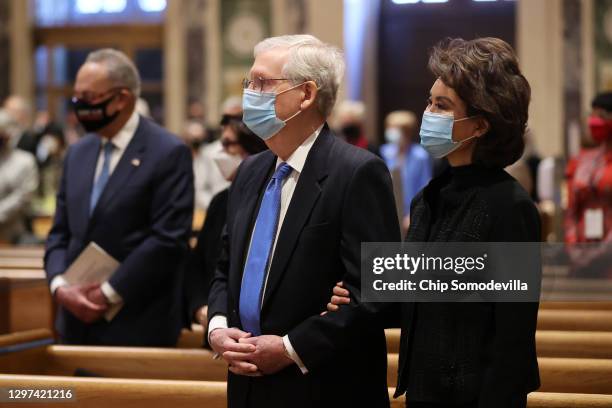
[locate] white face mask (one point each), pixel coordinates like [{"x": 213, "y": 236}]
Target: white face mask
[
  {"x": 227, "y": 163},
  {"x": 393, "y": 135}
]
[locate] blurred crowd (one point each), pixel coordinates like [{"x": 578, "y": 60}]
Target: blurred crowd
[{"x": 574, "y": 195}]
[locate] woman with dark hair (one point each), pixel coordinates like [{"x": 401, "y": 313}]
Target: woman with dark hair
[
  {"x": 238, "y": 143},
  {"x": 470, "y": 354}
]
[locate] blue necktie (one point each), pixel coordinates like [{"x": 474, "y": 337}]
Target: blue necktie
[
  {"x": 259, "y": 253},
  {"x": 100, "y": 183}
]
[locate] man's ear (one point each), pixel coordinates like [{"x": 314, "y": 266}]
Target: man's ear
[
  {"x": 482, "y": 126},
  {"x": 123, "y": 98},
  {"x": 310, "y": 94}
]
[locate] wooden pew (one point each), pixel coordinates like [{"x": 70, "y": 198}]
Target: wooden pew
[
  {"x": 565, "y": 400},
  {"x": 121, "y": 362},
  {"x": 585, "y": 376},
  {"x": 141, "y": 393},
  {"x": 550, "y": 343},
  {"x": 136, "y": 362},
  {"x": 575, "y": 320},
  {"x": 122, "y": 393},
  {"x": 572, "y": 375},
  {"x": 576, "y": 305},
  {"x": 575, "y": 375},
  {"x": 586, "y": 318},
  {"x": 24, "y": 352},
  {"x": 544, "y": 400},
  {"x": 25, "y": 300},
  {"x": 576, "y": 344},
  {"x": 20, "y": 263},
  {"x": 22, "y": 252}
]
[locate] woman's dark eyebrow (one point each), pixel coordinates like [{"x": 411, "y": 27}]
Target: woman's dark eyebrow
[{"x": 444, "y": 98}]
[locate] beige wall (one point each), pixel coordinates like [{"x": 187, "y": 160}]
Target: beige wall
[
  {"x": 539, "y": 46},
  {"x": 325, "y": 20},
  {"x": 175, "y": 77},
  {"x": 21, "y": 50}
]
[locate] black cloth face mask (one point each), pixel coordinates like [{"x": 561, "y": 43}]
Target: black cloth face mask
[
  {"x": 93, "y": 116},
  {"x": 351, "y": 132}
]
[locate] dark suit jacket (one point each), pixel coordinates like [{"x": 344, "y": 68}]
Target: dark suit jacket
[
  {"x": 202, "y": 260},
  {"x": 483, "y": 353},
  {"x": 143, "y": 219},
  {"x": 343, "y": 197}
]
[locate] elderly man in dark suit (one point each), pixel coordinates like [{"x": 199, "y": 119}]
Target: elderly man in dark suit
[
  {"x": 297, "y": 215},
  {"x": 128, "y": 187}
]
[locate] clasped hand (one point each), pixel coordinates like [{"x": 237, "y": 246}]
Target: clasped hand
[{"x": 247, "y": 355}]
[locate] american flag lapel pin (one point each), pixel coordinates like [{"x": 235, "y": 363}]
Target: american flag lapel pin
[{"x": 135, "y": 162}]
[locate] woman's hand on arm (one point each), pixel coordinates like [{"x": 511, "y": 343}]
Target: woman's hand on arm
[{"x": 340, "y": 296}]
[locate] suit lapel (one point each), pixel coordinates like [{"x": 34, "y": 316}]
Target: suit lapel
[
  {"x": 304, "y": 198},
  {"x": 128, "y": 164},
  {"x": 253, "y": 186},
  {"x": 85, "y": 179}
]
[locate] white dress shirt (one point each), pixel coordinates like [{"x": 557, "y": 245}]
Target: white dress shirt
[
  {"x": 296, "y": 161},
  {"x": 120, "y": 142},
  {"x": 18, "y": 183}
]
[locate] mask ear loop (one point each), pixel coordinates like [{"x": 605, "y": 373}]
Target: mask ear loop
[
  {"x": 288, "y": 89},
  {"x": 464, "y": 140}
]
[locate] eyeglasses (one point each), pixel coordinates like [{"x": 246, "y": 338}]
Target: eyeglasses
[
  {"x": 92, "y": 96},
  {"x": 260, "y": 84}
]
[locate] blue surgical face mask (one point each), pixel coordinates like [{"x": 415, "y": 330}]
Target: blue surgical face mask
[
  {"x": 259, "y": 112},
  {"x": 393, "y": 135},
  {"x": 437, "y": 134}
]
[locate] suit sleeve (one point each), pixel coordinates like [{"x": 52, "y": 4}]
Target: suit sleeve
[
  {"x": 217, "y": 295},
  {"x": 171, "y": 216},
  {"x": 368, "y": 215},
  {"x": 514, "y": 360},
  {"x": 195, "y": 268},
  {"x": 59, "y": 236}
]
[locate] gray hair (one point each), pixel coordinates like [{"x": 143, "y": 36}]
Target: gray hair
[
  {"x": 310, "y": 59},
  {"x": 121, "y": 70},
  {"x": 8, "y": 125}
]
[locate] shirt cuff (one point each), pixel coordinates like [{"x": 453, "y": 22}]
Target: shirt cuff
[
  {"x": 293, "y": 355},
  {"x": 111, "y": 295},
  {"x": 57, "y": 282},
  {"x": 217, "y": 322}
]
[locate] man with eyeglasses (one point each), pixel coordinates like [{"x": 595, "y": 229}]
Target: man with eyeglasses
[
  {"x": 296, "y": 217},
  {"x": 128, "y": 187}
]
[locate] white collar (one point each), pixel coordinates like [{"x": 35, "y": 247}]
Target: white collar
[
  {"x": 126, "y": 133},
  {"x": 298, "y": 157}
]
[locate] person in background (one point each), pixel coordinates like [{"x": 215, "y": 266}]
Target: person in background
[
  {"x": 532, "y": 159},
  {"x": 126, "y": 186},
  {"x": 195, "y": 111},
  {"x": 21, "y": 112},
  {"x": 18, "y": 181},
  {"x": 212, "y": 181},
  {"x": 406, "y": 158},
  {"x": 50, "y": 153},
  {"x": 143, "y": 109},
  {"x": 349, "y": 118},
  {"x": 520, "y": 171},
  {"x": 238, "y": 143},
  {"x": 194, "y": 135},
  {"x": 589, "y": 186}
]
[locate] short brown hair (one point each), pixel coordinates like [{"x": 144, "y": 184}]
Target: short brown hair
[{"x": 484, "y": 72}]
